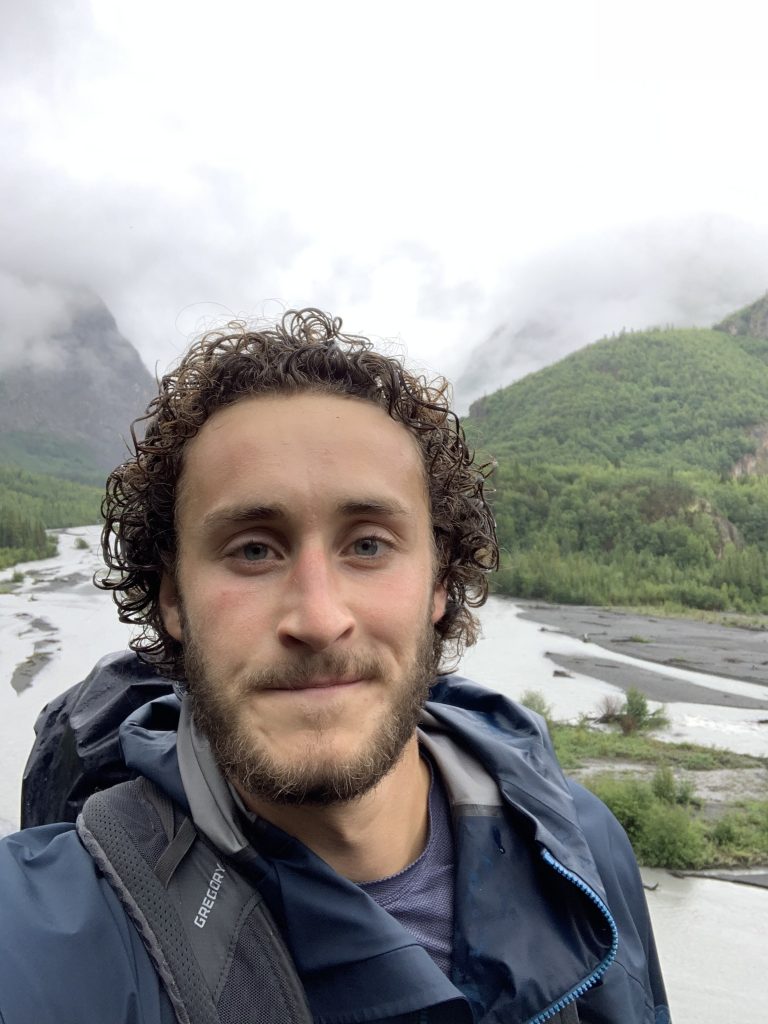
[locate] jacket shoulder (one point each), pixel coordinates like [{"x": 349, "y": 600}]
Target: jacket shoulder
[{"x": 68, "y": 953}]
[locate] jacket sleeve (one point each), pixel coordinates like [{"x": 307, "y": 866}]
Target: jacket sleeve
[{"x": 68, "y": 953}]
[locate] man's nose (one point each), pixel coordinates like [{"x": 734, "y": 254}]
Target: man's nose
[{"x": 315, "y": 612}]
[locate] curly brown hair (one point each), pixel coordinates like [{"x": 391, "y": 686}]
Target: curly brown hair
[{"x": 305, "y": 352}]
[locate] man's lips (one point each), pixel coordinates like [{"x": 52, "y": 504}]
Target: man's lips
[{"x": 316, "y": 683}]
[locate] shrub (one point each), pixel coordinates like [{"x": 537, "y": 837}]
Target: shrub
[
  {"x": 670, "y": 838},
  {"x": 741, "y": 836},
  {"x": 633, "y": 715},
  {"x": 663, "y": 834},
  {"x": 629, "y": 799},
  {"x": 81, "y": 544},
  {"x": 609, "y": 708},
  {"x": 670, "y": 790},
  {"x": 724, "y": 832}
]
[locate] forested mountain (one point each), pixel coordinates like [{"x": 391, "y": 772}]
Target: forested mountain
[
  {"x": 66, "y": 412},
  {"x": 633, "y": 470},
  {"x": 682, "y": 399}
]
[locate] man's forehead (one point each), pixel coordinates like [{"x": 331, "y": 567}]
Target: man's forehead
[
  {"x": 348, "y": 449},
  {"x": 307, "y": 420}
]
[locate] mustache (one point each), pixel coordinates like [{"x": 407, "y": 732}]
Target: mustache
[{"x": 328, "y": 665}]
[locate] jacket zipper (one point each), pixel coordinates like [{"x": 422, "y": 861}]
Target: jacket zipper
[{"x": 602, "y": 967}]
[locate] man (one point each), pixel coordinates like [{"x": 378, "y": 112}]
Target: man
[{"x": 300, "y": 536}]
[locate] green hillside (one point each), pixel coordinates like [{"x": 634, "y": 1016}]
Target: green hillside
[
  {"x": 631, "y": 473},
  {"x": 679, "y": 398},
  {"x": 31, "y": 503}
]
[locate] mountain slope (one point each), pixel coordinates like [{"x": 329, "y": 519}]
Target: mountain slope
[
  {"x": 752, "y": 321},
  {"x": 67, "y": 414},
  {"x": 667, "y": 399}
]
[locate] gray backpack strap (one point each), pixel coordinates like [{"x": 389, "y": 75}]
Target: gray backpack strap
[{"x": 205, "y": 926}]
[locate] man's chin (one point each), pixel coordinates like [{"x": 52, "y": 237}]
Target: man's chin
[
  {"x": 314, "y": 751},
  {"x": 310, "y": 785}
]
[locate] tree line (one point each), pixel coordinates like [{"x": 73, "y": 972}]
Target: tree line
[
  {"x": 595, "y": 535},
  {"x": 31, "y": 504}
]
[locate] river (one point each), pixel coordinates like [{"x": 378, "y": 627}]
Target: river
[{"x": 712, "y": 935}]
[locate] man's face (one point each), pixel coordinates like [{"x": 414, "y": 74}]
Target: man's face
[{"x": 304, "y": 595}]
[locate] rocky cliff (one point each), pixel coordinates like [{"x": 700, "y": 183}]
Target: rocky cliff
[{"x": 69, "y": 413}]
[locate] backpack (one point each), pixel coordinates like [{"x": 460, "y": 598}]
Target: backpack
[{"x": 76, "y": 750}]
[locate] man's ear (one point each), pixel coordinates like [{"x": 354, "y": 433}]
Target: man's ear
[
  {"x": 439, "y": 602},
  {"x": 170, "y": 607}
]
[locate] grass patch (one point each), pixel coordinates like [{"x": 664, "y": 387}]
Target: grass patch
[
  {"x": 576, "y": 744},
  {"x": 741, "y": 620},
  {"x": 663, "y": 817}
]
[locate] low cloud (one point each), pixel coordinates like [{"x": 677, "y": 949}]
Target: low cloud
[
  {"x": 689, "y": 272},
  {"x": 32, "y": 314}
]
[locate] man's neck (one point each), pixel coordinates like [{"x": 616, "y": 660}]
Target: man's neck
[{"x": 366, "y": 839}]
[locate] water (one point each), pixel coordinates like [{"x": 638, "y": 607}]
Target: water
[
  {"x": 711, "y": 938},
  {"x": 711, "y": 934},
  {"x": 57, "y": 614},
  {"x": 511, "y": 657}
]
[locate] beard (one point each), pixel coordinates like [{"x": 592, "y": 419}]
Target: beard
[{"x": 311, "y": 777}]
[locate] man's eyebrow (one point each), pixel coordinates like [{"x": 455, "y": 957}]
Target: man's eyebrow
[
  {"x": 232, "y": 515},
  {"x": 388, "y": 507}
]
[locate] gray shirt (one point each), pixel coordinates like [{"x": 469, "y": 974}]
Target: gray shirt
[{"x": 420, "y": 897}]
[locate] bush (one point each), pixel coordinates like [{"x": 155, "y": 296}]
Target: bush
[
  {"x": 670, "y": 838},
  {"x": 663, "y": 834},
  {"x": 741, "y": 836},
  {"x": 81, "y": 544},
  {"x": 629, "y": 799},
  {"x": 633, "y": 715},
  {"x": 670, "y": 790}
]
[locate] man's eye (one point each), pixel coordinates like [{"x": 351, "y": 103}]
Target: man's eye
[
  {"x": 254, "y": 551},
  {"x": 368, "y": 547}
]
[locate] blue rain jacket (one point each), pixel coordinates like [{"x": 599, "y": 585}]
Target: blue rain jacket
[{"x": 549, "y": 907}]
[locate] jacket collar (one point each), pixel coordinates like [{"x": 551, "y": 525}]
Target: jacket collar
[{"x": 473, "y": 733}]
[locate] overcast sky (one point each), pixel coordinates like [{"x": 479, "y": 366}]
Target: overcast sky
[{"x": 427, "y": 170}]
